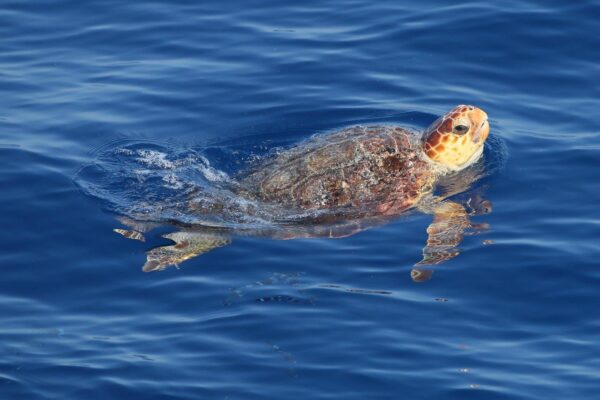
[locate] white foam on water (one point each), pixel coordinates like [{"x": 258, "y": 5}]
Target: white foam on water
[
  {"x": 124, "y": 151},
  {"x": 172, "y": 182},
  {"x": 210, "y": 173},
  {"x": 141, "y": 174},
  {"x": 153, "y": 158}
]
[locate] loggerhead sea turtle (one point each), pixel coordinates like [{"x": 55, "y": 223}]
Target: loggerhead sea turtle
[{"x": 344, "y": 182}]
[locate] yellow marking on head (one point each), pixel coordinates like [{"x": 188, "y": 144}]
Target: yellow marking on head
[{"x": 463, "y": 131}]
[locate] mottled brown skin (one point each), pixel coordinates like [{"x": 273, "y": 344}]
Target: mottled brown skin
[{"x": 378, "y": 170}]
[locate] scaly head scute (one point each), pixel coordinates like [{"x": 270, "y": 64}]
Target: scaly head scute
[{"x": 456, "y": 139}]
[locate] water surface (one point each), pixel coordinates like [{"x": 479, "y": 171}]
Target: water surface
[{"x": 513, "y": 317}]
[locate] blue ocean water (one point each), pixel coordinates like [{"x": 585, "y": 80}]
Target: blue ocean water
[{"x": 514, "y": 316}]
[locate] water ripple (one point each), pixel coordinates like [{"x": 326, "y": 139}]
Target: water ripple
[{"x": 514, "y": 317}]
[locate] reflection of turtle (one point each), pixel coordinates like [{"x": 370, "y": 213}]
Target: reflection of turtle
[{"x": 346, "y": 181}]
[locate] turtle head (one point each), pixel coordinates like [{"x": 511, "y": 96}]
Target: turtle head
[{"x": 456, "y": 139}]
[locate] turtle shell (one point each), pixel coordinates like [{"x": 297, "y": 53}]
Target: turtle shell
[{"x": 371, "y": 170}]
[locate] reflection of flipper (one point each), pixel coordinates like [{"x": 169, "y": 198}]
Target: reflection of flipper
[
  {"x": 445, "y": 233},
  {"x": 188, "y": 244}
]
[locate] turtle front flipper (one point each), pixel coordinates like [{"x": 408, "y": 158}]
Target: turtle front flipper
[
  {"x": 188, "y": 244},
  {"x": 445, "y": 233}
]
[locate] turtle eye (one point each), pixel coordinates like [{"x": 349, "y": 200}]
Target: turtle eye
[{"x": 460, "y": 129}]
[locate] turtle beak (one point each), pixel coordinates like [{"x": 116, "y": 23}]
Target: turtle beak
[{"x": 480, "y": 120}]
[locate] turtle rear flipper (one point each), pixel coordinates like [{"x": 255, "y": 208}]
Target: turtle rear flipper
[
  {"x": 188, "y": 244},
  {"x": 130, "y": 234},
  {"x": 136, "y": 228},
  {"x": 135, "y": 225}
]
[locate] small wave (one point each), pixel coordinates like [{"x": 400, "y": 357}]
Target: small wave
[
  {"x": 151, "y": 158},
  {"x": 212, "y": 174}
]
